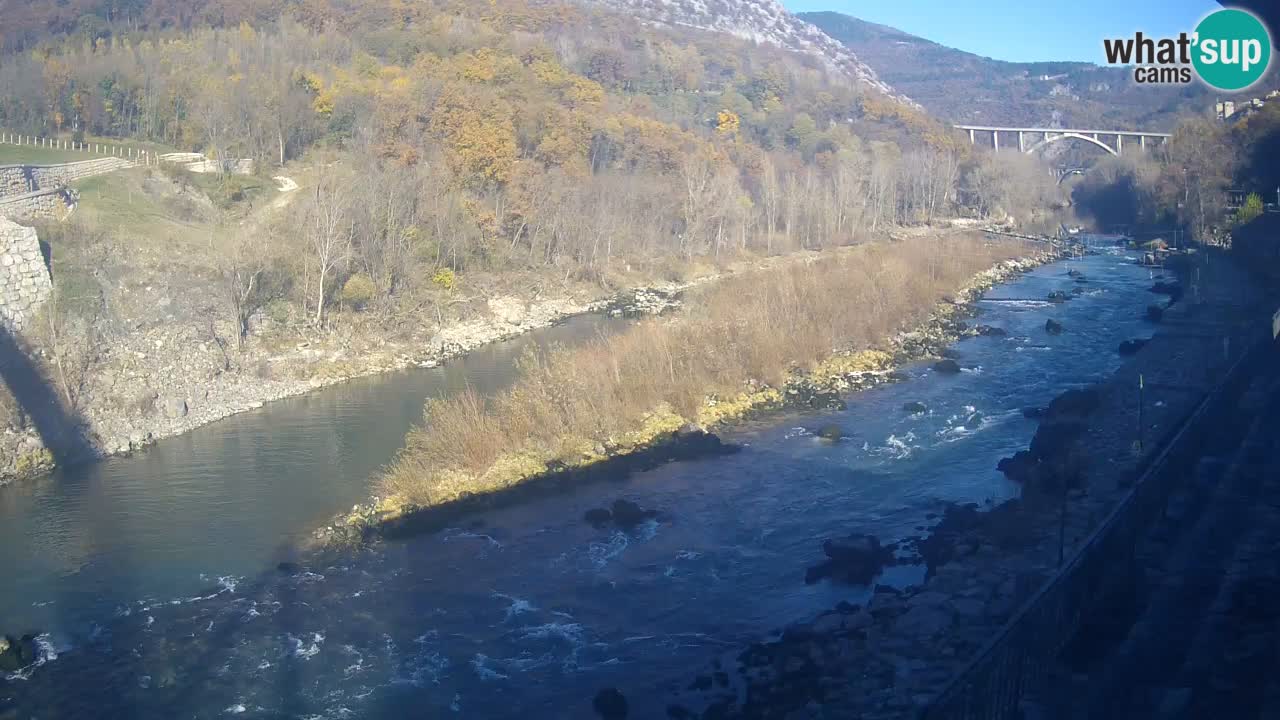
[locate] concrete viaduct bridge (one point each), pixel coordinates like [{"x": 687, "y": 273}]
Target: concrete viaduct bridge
[{"x": 1032, "y": 139}]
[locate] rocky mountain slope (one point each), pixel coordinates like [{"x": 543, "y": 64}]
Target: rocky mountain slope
[
  {"x": 761, "y": 21},
  {"x": 966, "y": 88}
]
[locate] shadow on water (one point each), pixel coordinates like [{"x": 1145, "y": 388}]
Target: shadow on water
[{"x": 60, "y": 427}]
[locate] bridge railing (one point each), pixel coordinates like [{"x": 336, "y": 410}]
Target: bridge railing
[{"x": 1018, "y": 659}]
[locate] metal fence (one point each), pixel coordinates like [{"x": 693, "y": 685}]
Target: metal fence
[{"x": 1019, "y": 657}]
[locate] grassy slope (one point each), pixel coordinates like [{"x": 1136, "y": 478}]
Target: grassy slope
[{"x": 33, "y": 155}]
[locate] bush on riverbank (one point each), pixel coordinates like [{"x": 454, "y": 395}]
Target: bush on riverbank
[{"x": 721, "y": 356}]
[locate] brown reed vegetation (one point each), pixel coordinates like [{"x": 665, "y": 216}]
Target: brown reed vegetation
[{"x": 746, "y": 332}]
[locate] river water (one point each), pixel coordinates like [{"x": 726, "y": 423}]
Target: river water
[{"x": 153, "y": 578}]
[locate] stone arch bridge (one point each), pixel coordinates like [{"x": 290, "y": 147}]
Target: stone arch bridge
[{"x": 1029, "y": 140}]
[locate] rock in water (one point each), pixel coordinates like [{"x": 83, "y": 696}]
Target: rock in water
[
  {"x": 947, "y": 366},
  {"x": 856, "y": 559},
  {"x": 1131, "y": 347},
  {"x": 1053, "y": 327},
  {"x": 18, "y": 652},
  {"x": 830, "y": 432},
  {"x": 1021, "y": 468},
  {"x": 1155, "y": 313},
  {"x": 628, "y": 514},
  {"x": 1172, "y": 289},
  {"x": 989, "y": 331},
  {"x": 610, "y": 704},
  {"x": 1058, "y": 296},
  {"x": 598, "y": 517},
  {"x": 1075, "y": 403},
  {"x": 915, "y": 408},
  {"x": 852, "y": 548}
]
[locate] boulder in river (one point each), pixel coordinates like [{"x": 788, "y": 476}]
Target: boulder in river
[
  {"x": 989, "y": 331},
  {"x": 17, "y": 653},
  {"x": 1058, "y": 296},
  {"x": 830, "y": 433},
  {"x": 1075, "y": 273},
  {"x": 1172, "y": 289},
  {"x": 1075, "y": 403},
  {"x": 627, "y": 514},
  {"x": 947, "y": 366},
  {"x": 1131, "y": 347},
  {"x": 1046, "y": 464},
  {"x": 915, "y": 408},
  {"x": 1053, "y": 327},
  {"x": 1155, "y": 313},
  {"x": 856, "y": 560},
  {"x": 598, "y": 517},
  {"x": 289, "y": 568},
  {"x": 1055, "y": 436},
  {"x": 1020, "y": 468},
  {"x": 610, "y": 704}
]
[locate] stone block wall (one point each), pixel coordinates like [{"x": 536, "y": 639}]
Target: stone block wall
[
  {"x": 25, "y": 284},
  {"x": 53, "y": 204},
  {"x": 49, "y": 176},
  {"x": 23, "y": 179},
  {"x": 15, "y": 180}
]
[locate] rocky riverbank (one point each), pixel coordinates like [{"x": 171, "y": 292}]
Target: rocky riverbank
[
  {"x": 165, "y": 380},
  {"x": 665, "y": 434},
  {"x": 888, "y": 657}
]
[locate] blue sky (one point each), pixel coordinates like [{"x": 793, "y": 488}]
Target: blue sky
[{"x": 1024, "y": 30}]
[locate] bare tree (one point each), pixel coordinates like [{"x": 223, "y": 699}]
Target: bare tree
[
  {"x": 246, "y": 270},
  {"x": 327, "y": 223},
  {"x": 770, "y": 200}
]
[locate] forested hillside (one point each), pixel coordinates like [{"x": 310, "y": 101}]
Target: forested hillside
[{"x": 508, "y": 133}]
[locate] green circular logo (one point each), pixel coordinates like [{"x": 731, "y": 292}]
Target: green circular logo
[{"x": 1232, "y": 49}]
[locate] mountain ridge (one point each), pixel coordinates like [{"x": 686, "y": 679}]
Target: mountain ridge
[
  {"x": 760, "y": 21},
  {"x": 965, "y": 87}
]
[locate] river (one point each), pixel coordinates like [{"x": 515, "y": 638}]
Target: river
[{"x": 153, "y": 578}]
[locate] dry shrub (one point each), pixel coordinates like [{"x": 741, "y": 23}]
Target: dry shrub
[{"x": 752, "y": 328}]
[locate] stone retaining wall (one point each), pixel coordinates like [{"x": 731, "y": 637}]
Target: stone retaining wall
[
  {"x": 15, "y": 180},
  {"x": 23, "y": 179},
  {"x": 52, "y": 204},
  {"x": 25, "y": 284}
]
